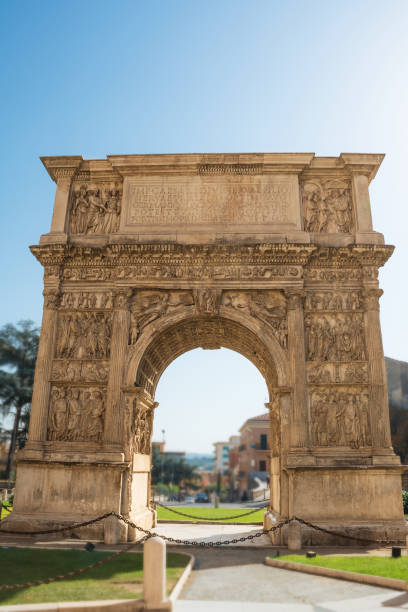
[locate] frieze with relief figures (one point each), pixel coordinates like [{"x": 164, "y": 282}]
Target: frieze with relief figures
[
  {"x": 87, "y": 300},
  {"x": 337, "y": 373},
  {"x": 76, "y": 414},
  {"x": 69, "y": 370},
  {"x": 333, "y": 300}
]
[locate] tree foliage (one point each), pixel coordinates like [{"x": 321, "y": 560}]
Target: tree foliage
[
  {"x": 168, "y": 470},
  {"x": 18, "y": 353}
]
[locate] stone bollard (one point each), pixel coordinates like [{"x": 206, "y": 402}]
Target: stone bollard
[
  {"x": 154, "y": 575},
  {"x": 111, "y": 530},
  {"x": 294, "y": 536}
]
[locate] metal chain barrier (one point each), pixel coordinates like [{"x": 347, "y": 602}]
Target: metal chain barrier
[
  {"x": 204, "y": 518},
  {"x": 149, "y": 534},
  {"x": 201, "y": 543},
  {"x": 78, "y": 572}
]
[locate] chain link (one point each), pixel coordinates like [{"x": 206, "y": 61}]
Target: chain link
[{"x": 204, "y": 518}]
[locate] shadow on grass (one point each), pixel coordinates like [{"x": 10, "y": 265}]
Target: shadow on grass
[{"x": 120, "y": 578}]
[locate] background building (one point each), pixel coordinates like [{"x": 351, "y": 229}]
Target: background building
[{"x": 254, "y": 454}]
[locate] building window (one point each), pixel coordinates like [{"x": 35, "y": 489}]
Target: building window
[
  {"x": 262, "y": 466},
  {"x": 264, "y": 442}
]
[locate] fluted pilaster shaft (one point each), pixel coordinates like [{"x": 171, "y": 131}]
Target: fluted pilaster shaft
[
  {"x": 297, "y": 357},
  {"x": 380, "y": 421},
  {"x": 113, "y": 432},
  {"x": 41, "y": 388}
]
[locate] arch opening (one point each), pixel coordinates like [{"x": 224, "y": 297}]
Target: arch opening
[
  {"x": 213, "y": 332},
  {"x": 208, "y": 333}
]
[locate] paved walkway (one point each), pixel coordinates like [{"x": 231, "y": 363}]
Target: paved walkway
[
  {"x": 237, "y": 580},
  {"x": 214, "y": 533}
]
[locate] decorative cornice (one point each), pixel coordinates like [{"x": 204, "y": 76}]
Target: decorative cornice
[
  {"x": 128, "y": 254},
  {"x": 352, "y": 256},
  {"x": 62, "y": 167}
]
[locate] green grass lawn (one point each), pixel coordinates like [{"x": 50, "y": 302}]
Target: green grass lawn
[
  {"x": 209, "y": 513},
  {"x": 121, "y": 578},
  {"x": 376, "y": 566}
]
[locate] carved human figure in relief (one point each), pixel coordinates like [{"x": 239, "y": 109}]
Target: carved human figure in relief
[
  {"x": 95, "y": 413},
  {"x": 149, "y": 305},
  {"x": 74, "y": 424},
  {"x": 335, "y": 338},
  {"x": 341, "y": 418},
  {"x": 84, "y": 335},
  {"x": 267, "y": 306},
  {"x": 327, "y": 206},
  {"x": 95, "y": 210},
  {"x": 58, "y": 418}
]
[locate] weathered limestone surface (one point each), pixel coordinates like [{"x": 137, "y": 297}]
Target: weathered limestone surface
[{"x": 271, "y": 255}]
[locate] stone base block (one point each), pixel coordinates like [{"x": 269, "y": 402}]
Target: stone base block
[
  {"x": 394, "y": 532},
  {"x": 24, "y": 523}
]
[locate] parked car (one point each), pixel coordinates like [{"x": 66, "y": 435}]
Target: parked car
[
  {"x": 202, "y": 498},
  {"x": 189, "y": 499}
]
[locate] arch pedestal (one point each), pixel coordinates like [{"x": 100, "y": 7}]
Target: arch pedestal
[{"x": 270, "y": 255}]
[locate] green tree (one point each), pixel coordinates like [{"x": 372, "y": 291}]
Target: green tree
[
  {"x": 168, "y": 470},
  {"x": 18, "y": 353}
]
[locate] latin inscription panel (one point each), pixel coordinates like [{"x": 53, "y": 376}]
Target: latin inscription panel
[{"x": 255, "y": 200}]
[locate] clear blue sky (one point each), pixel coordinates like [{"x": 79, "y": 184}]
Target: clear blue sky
[{"x": 96, "y": 77}]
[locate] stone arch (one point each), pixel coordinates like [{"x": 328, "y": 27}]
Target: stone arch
[{"x": 166, "y": 339}]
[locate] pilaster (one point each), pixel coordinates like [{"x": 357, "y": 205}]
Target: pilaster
[
  {"x": 297, "y": 358},
  {"x": 41, "y": 389},
  {"x": 113, "y": 433},
  {"x": 61, "y": 171},
  {"x": 377, "y": 374}
]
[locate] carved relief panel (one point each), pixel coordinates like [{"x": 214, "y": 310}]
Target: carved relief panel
[
  {"x": 341, "y": 417},
  {"x": 268, "y": 306},
  {"x": 70, "y": 370},
  {"x": 138, "y": 427},
  {"x": 83, "y": 300},
  {"x": 149, "y": 305},
  {"x": 337, "y": 337},
  {"x": 337, "y": 373},
  {"x": 95, "y": 209},
  {"x": 333, "y": 300},
  {"x": 327, "y": 206},
  {"x": 76, "y": 414},
  {"x": 84, "y": 335}
]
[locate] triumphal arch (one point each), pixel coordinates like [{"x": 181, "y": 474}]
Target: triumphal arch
[{"x": 271, "y": 255}]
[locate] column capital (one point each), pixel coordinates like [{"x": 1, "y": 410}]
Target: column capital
[
  {"x": 295, "y": 298},
  {"x": 371, "y": 297},
  {"x": 52, "y": 298},
  {"x": 143, "y": 399},
  {"x": 121, "y": 298}
]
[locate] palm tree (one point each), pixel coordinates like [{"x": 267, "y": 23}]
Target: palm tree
[{"x": 18, "y": 353}]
